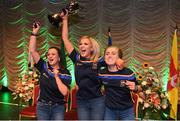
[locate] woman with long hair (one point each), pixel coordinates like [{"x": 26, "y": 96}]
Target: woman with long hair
[{"x": 90, "y": 100}]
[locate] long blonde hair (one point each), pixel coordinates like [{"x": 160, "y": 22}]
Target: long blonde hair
[{"x": 96, "y": 48}]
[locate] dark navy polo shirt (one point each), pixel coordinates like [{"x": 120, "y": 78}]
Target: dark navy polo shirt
[
  {"x": 48, "y": 87},
  {"x": 116, "y": 95},
  {"x": 86, "y": 76}
]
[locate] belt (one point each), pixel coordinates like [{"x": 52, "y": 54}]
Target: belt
[{"x": 50, "y": 102}]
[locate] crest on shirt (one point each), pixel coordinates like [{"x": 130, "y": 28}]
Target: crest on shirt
[
  {"x": 94, "y": 66},
  {"x": 44, "y": 74},
  {"x": 79, "y": 64}
]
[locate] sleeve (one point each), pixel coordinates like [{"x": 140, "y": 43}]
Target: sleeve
[
  {"x": 40, "y": 65},
  {"x": 65, "y": 77},
  {"x": 135, "y": 80},
  {"x": 133, "y": 76},
  {"x": 74, "y": 56}
]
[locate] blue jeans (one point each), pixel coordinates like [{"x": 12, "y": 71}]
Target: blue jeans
[
  {"x": 116, "y": 114},
  {"x": 48, "y": 111},
  {"x": 92, "y": 109}
]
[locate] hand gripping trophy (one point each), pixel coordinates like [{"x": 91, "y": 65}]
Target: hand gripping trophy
[{"x": 72, "y": 8}]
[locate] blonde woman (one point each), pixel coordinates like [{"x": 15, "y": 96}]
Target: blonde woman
[{"x": 90, "y": 100}]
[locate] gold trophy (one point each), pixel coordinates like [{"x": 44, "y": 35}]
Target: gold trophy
[{"x": 72, "y": 8}]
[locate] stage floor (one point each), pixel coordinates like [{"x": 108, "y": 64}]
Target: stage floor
[{"x": 9, "y": 108}]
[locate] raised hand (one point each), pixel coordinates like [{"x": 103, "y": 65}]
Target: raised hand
[
  {"x": 36, "y": 27},
  {"x": 64, "y": 14}
]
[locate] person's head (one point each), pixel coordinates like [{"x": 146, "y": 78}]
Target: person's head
[
  {"x": 112, "y": 54},
  {"x": 54, "y": 57},
  {"x": 89, "y": 48}
]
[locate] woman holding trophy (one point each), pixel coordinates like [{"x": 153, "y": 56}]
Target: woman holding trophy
[{"x": 90, "y": 100}]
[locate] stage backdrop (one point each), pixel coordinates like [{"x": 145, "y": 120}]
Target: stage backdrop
[{"x": 142, "y": 28}]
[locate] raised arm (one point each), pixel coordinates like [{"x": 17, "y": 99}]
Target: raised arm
[
  {"x": 68, "y": 45},
  {"x": 32, "y": 43}
]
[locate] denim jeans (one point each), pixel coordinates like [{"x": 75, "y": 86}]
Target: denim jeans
[
  {"x": 50, "y": 111},
  {"x": 116, "y": 114},
  {"x": 92, "y": 109}
]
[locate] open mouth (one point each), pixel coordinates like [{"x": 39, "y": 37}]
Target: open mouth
[
  {"x": 51, "y": 60},
  {"x": 83, "y": 51}
]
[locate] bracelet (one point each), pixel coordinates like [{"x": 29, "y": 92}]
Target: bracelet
[{"x": 32, "y": 34}]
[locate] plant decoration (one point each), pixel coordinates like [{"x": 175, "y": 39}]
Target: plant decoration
[
  {"x": 153, "y": 102},
  {"x": 25, "y": 84}
]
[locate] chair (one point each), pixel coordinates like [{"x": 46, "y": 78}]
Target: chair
[
  {"x": 30, "y": 111},
  {"x": 135, "y": 98},
  {"x": 72, "y": 113}
]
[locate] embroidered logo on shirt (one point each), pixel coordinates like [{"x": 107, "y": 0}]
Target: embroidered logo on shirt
[
  {"x": 44, "y": 74},
  {"x": 94, "y": 66},
  {"x": 104, "y": 82},
  {"x": 79, "y": 64}
]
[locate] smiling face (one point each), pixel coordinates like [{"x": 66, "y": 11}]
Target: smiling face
[
  {"x": 85, "y": 48},
  {"x": 53, "y": 57},
  {"x": 111, "y": 55}
]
